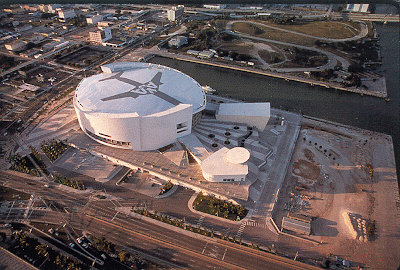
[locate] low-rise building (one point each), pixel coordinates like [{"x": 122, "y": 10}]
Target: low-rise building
[
  {"x": 14, "y": 10},
  {"x": 16, "y": 45},
  {"x": 104, "y": 24},
  {"x": 94, "y": 19},
  {"x": 29, "y": 53},
  {"x": 193, "y": 52},
  {"x": 362, "y": 8},
  {"x": 216, "y": 6},
  {"x": 66, "y": 14},
  {"x": 206, "y": 54},
  {"x": 53, "y": 8},
  {"x": 23, "y": 28},
  {"x": 226, "y": 165},
  {"x": 36, "y": 39},
  {"x": 44, "y": 8},
  {"x": 252, "y": 114},
  {"x": 178, "y": 41}
]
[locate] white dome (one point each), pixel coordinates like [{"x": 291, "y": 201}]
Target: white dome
[
  {"x": 139, "y": 88},
  {"x": 238, "y": 155}
]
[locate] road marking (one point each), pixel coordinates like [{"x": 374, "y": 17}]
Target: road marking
[
  {"x": 200, "y": 220},
  {"x": 223, "y": 257},
  {"x": 114, "y": 216},
  {"x": 204, "y": 248},
  {"x": 241, "y": 228}
]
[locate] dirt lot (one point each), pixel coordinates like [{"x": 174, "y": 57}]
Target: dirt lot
[{"x": 330, "y": 176}]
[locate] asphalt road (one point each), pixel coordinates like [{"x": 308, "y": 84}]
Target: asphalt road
[{"x": 170, "y": 244}]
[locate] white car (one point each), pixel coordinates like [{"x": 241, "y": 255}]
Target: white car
[
  {"x": 85, "y": 245},
  {"x": 71, "y": 245}
]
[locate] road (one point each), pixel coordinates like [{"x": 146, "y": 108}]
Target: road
[
  {"x": 332, "y": 58},
  {"x": 180, "y": 247},
  {"x": 363, "y": 32}
]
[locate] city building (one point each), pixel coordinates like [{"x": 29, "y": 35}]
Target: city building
[
  {"x": 104, "y": 24},
  {"x": 53, "y": 8},
  {"x": 100, "y": 36},
  {"x": 178, "y": 41},
  {"x": 175, "y": 13},
  {"x": 363, "y": 8},
  {"x": 207, "y": 54},
  {"x": 44, "y": 8},
  {"x": 216, "y": 6},
  {"x": 138, "y": 106},
  {"x": 16, "y": 45},
  {"x": 94, "y": 19},
  {"x": 66, "y": 14}
]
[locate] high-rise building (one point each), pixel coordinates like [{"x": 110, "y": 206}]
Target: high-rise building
[
  {"x": 175, "y": 13},
  {"x": 100, "y": 36}
]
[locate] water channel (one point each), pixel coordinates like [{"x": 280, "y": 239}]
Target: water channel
[{"x": 344, "y": 107}]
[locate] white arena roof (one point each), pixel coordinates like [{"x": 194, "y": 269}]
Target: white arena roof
[{"x": 140, "y": 89}]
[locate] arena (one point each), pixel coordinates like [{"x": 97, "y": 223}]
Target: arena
[{"x": 138, "y": 106}]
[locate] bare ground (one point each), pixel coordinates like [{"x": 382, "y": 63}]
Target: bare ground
[{"x": 346, "y": 187}]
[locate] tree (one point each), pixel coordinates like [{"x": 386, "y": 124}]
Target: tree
[
  {"x": 43, "y": 250},
  {"x": 355, "y": 68},
  {"x": 371, "y": 229},
  {"x": 124, "y": 256}
]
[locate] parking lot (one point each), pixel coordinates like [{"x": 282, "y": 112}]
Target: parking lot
[
  {"x": 43, "y": 76},
  {"x": 82, "y": 57}
]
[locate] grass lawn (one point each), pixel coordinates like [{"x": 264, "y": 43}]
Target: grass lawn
[
  {"x": 268, "y": 33},
  {"x": 271, "y": 57},
  {"x": 224, "y": 209},
  {"x": 240, "y": 48},
  {"x": 321, "y": 29}
]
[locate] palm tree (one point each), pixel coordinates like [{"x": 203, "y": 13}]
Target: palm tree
[{"x": 43, "y": 250}]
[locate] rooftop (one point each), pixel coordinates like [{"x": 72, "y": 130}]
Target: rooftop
[{"x": 139, "y": 88}]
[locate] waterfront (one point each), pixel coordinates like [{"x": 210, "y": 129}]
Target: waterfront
[{"x": 347, "y": 108}]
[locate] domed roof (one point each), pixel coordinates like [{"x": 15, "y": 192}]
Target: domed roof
[
  {"x": 138, "y": 88},
  {"x": 237, "y": 155}
]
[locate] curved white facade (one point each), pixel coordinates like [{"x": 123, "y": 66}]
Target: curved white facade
[
  {"x": 226, "y": 165},
  {"x": 138, "y": 106}
]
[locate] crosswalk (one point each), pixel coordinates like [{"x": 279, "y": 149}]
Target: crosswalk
[
  {"x": 241, "y": 228},
  {"x": 255, "y": 224},
  {"x": 201, "y": 219}
]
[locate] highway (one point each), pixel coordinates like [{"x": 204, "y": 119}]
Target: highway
[{"x": 169, "y": 244}]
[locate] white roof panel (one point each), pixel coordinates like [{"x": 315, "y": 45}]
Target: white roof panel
[
  {"x": 140, "y": 88},
  {"x": 244, "y": 109}
]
